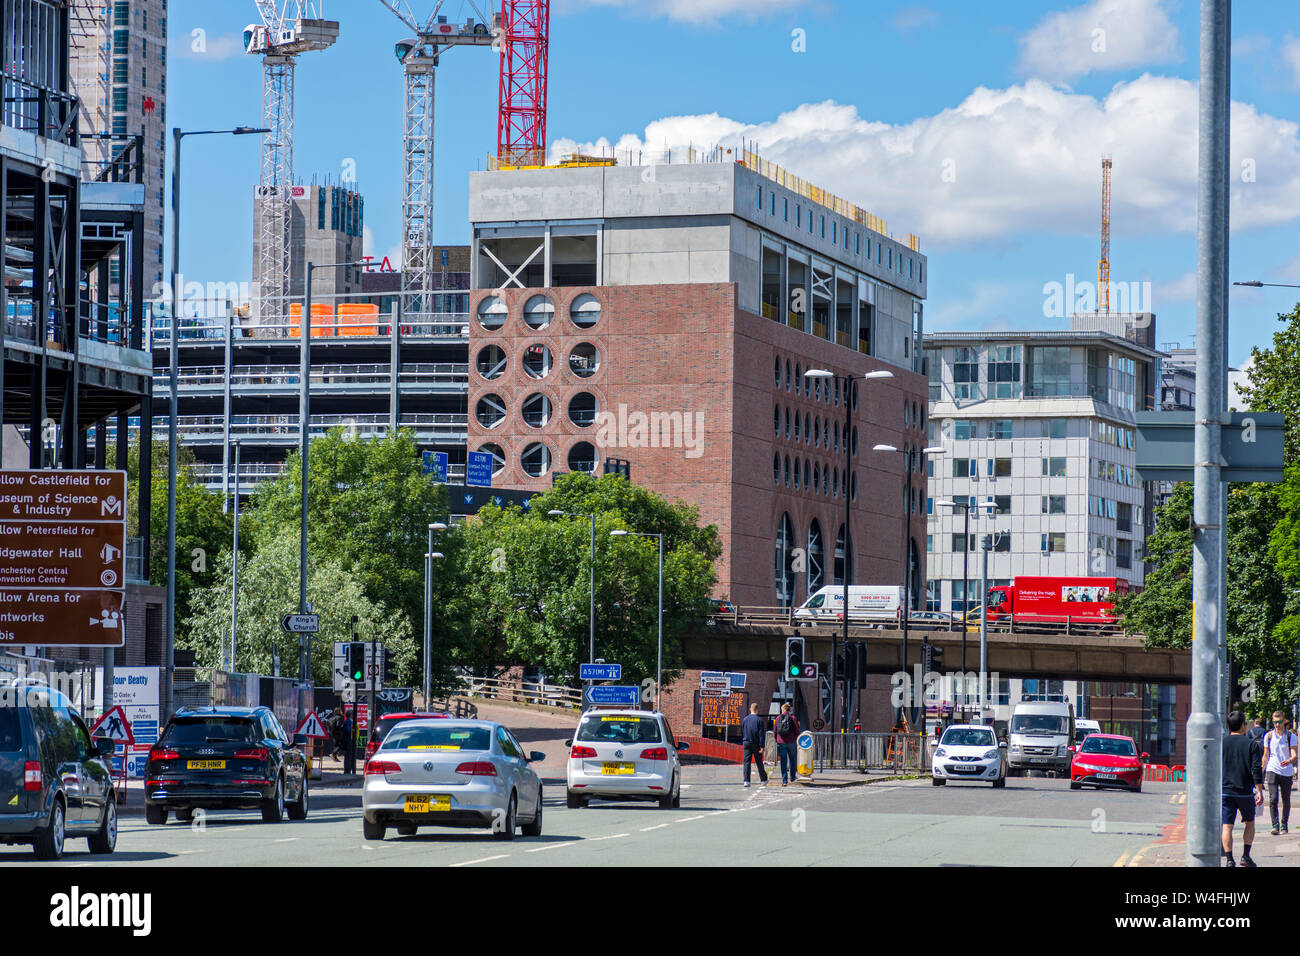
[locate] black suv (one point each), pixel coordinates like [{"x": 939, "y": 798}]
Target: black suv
[
  {"x": 226, "y": 758},
  {"x": 55, "y": 782}
]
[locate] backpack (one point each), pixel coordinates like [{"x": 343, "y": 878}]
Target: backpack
[{"x": 785, "y": 725}]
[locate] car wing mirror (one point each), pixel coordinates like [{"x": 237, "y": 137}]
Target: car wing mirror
[
  {"x": 535, "y": 756},
  {"x": 1002, "y": 744},
  {"x": 568, "y": 743},
  {"x": 683, "y": 745}
]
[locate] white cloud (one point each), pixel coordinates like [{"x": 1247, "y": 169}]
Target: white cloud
[
  {"x": 1291, "y": 57},
  {"x": 915, "y": 18},
  {"x": 1025, "y": 158},
  {"x": 198, "y": 44},
  {"x": 1182, "y": 289},
  {"x": 689, "y": 11},
  {"x": 1249, "y": 45},
  {"x": 1099, "y": 36}
]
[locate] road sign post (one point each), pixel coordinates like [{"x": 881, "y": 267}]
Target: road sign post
[{"x": 301, "y": 623}]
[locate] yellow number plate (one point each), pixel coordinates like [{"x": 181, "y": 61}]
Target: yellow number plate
[
  {"x": 426, "y": 803},
  {"x": 617, "y": 769},
  {"x": 205, "y": 765}
]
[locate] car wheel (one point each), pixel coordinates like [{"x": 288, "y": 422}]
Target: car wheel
[
  {"x": 49, "y": 843},
  {"x": 104, "y": 840},
  {"x": 506, "y": 830},
  {"x": 155, "y": 813},
  {"x": 1138, "y": 788},
  {"x": 298, "y": 809},
  {"x": 273, "y": 809},
  {"x": 185, "y": 816},
  {"x": 1001, "y": 781},
  {"x": 677, "y": 795},
  {"x": 573, "y": 801},
  {"x": 372, "y": 831},
  {"x": 407, "y": 829},
  {"x": 1075, "y": 785},
  {"x": 938, "y": 781},
  {"x": 534, "y": 829}
]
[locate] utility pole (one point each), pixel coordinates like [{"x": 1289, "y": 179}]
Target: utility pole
[{"x": 1204, "y": 726}]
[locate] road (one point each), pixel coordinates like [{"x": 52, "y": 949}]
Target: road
[{"x": 1034, "y": 822}]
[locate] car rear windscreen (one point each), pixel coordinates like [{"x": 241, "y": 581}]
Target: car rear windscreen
[
  {"x": 11, "y": 735},
  {"x": 411, "y": 736},
  {"x": 191, "y": 731},
  {"x": 621, "y": 730}
]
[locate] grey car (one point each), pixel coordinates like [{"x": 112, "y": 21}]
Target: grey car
[{"x": 451, "y": 773}]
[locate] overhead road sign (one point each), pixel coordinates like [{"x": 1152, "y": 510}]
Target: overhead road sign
[
  {"x": 1250, "y": 449},
  {"x": 600, "y": 671},
  {"x": 301, "y": 623},
  {"x": 612, "y": 695},
  {"x": 737, "y": 679}
]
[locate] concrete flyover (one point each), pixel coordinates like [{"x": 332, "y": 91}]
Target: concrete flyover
[{"x": 761, "y": 647}]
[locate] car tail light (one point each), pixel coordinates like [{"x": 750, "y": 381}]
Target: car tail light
[
  {"x": 251, "y": 783},
  {"x": 31, "y": 776},
  {"x": 382, "y": 766},
  {"x": 655, "y": 753},
  {"x": 371, "y": 747},
  {"x": 251, "y": 753},
  {"x": 160, "y": 754},
  {"x": 478, "y": 768},
  {"x": 577, "y": 753},
  {"x": 161, "y": 783}
]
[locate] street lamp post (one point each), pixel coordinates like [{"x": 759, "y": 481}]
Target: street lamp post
[
  {"x": 234, "y": 567},
  {"x": 847, "y": 382},
  {"x": 965, "y": 591},
  {"x": 177, "y": 283},
  {"x": 659, "y": 667},
  {"x": 591, "y": 579},
  {"x": 429, "y": 557}
]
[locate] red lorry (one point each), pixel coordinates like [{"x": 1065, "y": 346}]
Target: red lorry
[{"x": 1049, "y": 600}]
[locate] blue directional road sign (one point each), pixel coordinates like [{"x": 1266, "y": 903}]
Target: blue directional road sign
[
  {"x": 626, "y": 696},
  {"x": 435, "y": 466},
  {"x": 478, "y": 469},
  {"x": 600, "y": 671},
  {"x": 737, "y": 680}
]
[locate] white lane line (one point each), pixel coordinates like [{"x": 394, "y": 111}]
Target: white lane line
[
  {"x": 689, "y": 819},
  {"x": 483, "y": 859},
  {"x": 188, "y": 852},
  {"x": 658, "y": 827},
  {"x": 551, "y": 846},
  {"x": 365, "y": 846},
  {"x": 612, "y": 836},
  {"x": 82, "y": 864},
  {"x": 285, "y": 840}
]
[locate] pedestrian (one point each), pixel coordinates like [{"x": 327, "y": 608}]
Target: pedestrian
[
  {"x": 1243, "y": 786},
  {"x": 1279, "y": 761},
  {"x": 349, "y": 750},
  {"x": 753, "y": 734},
  {"x": 1257, "y": 730},
  {"x": 786, "y": 731}
]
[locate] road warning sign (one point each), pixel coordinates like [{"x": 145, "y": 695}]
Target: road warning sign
[
  {"x": 312, "y": 726},
  {"x": 114, "y": 726}
]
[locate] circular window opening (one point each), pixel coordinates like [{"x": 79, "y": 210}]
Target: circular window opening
[
  {"x": 835, "y": 484},
  {"x": 491, "y": 362},
  {"x": 584, "y": 360},
  {"x": 536, "y": 410},
  {"x": 855, "y": 396},
  {"x": 585, "y": 311},
  {"x": 855, "y": 441},
  {"x": 492, "y": 313},
  {"x": 836, "y": 443},
  {"x": 498, "y": 456},
  {"x": 490, "y": 410},
  {"x": 537, "y": 361},
  {"x": 583, "y": 457},
  {"x": 826, "y": 481},
  {"x": 807, "y": 426},
  {"x": 837, "y": 391},
  {"x": 583, "y": 409},
  {"x": 817, "y": 389},
  {"x": 797, "y": 423},
  {"x": 538, "y": 312},
  {"x": 536, "y": 460},
  {"x": 800, "y": 382}
]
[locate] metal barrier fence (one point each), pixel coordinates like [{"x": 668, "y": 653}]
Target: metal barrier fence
[
  {"x": 898, "y": 752},
  {"x": 519, "y": 691}
]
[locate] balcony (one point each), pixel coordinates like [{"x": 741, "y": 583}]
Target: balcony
[
  {"x": 282, "y": 430},
  {"x": 444, "y": 326},
  {"x": 430, "y": 378},
  {"x": 49, "y": 113}
]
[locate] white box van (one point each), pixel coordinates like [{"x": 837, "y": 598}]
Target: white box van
[
  {"x": 1083, "y": 727},
  {"x": 866, "y": 603},
  {"x": 1041, "y": 733}
]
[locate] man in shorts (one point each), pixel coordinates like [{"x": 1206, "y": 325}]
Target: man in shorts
[{"x": 1243, "y": 785}]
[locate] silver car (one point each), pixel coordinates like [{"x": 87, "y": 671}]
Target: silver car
[{"x": 451, "y": 773}]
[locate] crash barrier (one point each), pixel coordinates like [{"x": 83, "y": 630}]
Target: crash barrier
[
  {"x": 703, "y": 750},
  {"x": 859, "y": 751},
  {"x": 1159, "y": 773}
]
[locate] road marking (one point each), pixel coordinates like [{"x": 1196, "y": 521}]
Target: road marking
[
  {"x": 552, "y": 846},
  {"x": 1182, "y": 797},
  {"x": 1122, "y": 860},
  {"x": 689, "y": 819},
  {"x": 188, "y": 852},
  {"x": 612, "y": 836},
  {"x": 366, "y": 846},
  {"x": 83, "y": 864},
  {"x": 1173, "y": 798},
  {"x": 658, "y": 826},
  {"x": 484, "y": 859}
]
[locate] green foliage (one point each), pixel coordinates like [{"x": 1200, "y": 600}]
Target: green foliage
[
  {"x": 1275, "y": 381},
  {"x": 268, "y": 589},
  {"x": 203, "y": 530}
]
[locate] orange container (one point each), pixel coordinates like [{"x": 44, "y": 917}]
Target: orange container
[
  {"x": 322, "y": 320},
  {"x": 358, "y": 318}
]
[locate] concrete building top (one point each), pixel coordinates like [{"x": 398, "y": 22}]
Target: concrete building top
[{"x": 1052, "y": 336}]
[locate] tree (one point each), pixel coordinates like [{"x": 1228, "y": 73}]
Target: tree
[
  {"x": 203, "y": 529},
  {"x": 525, "y": 579},
  {"x": 268, "y": 589},
  {"x": 1274, "y": 382}
]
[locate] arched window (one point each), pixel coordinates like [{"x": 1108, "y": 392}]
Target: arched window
[
  {"x": 816, "y": 557},
  {"x": 838, "y": 569},
  {"x": 784, "y": 576}
]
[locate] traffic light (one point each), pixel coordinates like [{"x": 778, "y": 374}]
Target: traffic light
[
  {"x": 794, "y": 657},
  {"x": 861, "y": 674},
  {"x": 849, "y": 664},
  {"x": 936, "y": 657},
  {"x": 389, "y": 676},
  {"x": 357, "y": 664}
]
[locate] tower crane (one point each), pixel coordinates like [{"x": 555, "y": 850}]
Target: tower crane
[
  {"x": 1103, "y": 262},
  {"x": 288, "y": 28},
  {"x": 418, "y": 55},
  {"x": 521, "y": 120}
]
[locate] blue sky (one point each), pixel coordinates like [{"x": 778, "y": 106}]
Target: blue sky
[{"x": 980, "y": 131}]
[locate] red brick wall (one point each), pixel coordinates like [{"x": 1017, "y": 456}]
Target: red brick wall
[{"x": 688, "y": 349}]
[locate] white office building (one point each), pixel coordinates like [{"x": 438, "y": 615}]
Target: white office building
[{"x": 1042, "y": 425}]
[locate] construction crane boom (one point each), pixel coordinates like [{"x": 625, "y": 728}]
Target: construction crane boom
[
  {"x": 521, "y": 121},
  {"x": 1103, "y": 263}
]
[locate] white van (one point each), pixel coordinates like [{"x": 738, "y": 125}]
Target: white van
[
  {"x": 1041, "y": 733},
  {"x": 1083, "y": 727},
  {"x": 866, "y": 603}
]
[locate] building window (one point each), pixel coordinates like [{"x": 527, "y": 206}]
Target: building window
[
  {"x": 959, "y": 542},
  {"x": 965, "y": 373},
  {"x": 965, "y": 468},
  {"x": 1004, "y": 371},
  {"x": 785, "y": 210},
  {"x": 857, "y": 243},
  {"x": 1001, "y": 503},
  {"x": 1053, "y": 542},
  {"x": 999, "y": 467},
  {"x": 1000, "y": 428},
  {"x": 760, "y": 198},
  {"x": 1054, "y": 467},
  {"x": 1053, "y": 504},
  {"x": 963, "y": 428},
  {"x": 784, "y": 577},
  {"x": 1123, "y": 553},
  {"x": 1123, "y": 517},
  {"x": 816, "y": 557}
]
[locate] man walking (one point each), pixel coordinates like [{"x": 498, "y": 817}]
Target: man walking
[
  {"x": 349, "y": 745},
  {"x": 1243, "y": 785},
  {"x": 1279, "y": 760},
  {"x": 753, "y": 735},
  {"x": 1256, "y": 732},
  {"x": 786, "y": 733}
]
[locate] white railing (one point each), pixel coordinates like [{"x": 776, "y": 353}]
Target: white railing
[{"x": 519, "y": 691}]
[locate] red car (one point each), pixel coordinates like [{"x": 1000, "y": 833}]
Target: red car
[
  {"x": 1107, "y": 760},
  {"x": 386, "y": 723}
]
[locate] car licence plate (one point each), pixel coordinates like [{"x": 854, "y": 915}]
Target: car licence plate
[
  {"x": 205, "y": 765},
  {"x": 1040, "y": 759},
  {"x": 1107, "y": 776},
  {"x": 617, "y": 769},
  {"x": 424, "y": 803}
]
